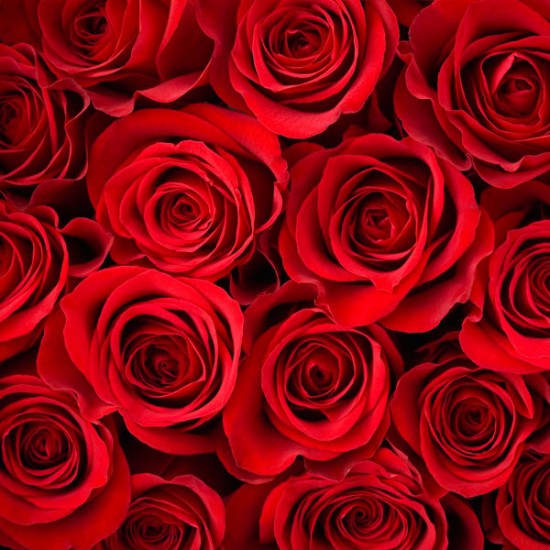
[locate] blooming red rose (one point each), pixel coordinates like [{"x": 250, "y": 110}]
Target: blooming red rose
[
  {"x": 469, "y": 425},
  {"x": 518, "y": 515},
  {"x": 309, "y": 387},
  {"x": 64, "y": 481},
  {"x": 41, "y": 122},
  {"x": 509, "y": 327},
  {"x": 125, "y": 51},
  {"x": 475, "y": 87},
  {"x": 385, "y": 229},
  {"x": 381, "y": 503},
  {"x": 161, "y": 351},
  {"x": 182, "y": 513},
  {"x": 295, "y": 65},
  {"x": 188, "y": 191},
  {"x": 34, "y": 266}
]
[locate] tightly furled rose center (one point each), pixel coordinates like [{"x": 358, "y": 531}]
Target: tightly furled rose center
[
  {"x": 506, "y": 91},
  {"x": 163, "y": 358},
  {"x": 89, "y": 27},
  {"x": 376, "y": 220},
  {"x": 150, "y": 528},
  {"x": 301, "y": 49},
  {"x": 318, "y": 373},
  {"x": 17, "y": 113},
  {"x": 44, "y": 450}
]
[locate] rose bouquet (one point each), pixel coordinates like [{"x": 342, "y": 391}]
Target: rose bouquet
[{"x": 274, "y": 274}]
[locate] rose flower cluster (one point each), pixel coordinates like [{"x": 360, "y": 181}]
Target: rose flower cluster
[{"x": 275, "y": 274}]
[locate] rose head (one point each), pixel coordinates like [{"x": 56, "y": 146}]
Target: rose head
[
  {"x": 187, "y": 191},
  {"x": 34, "y": 265},
  {"x": 381, "y": 503},
  {"x": 63, "y": 479},
  {"x": 309, "y": 387},
  {"x": 41, "y": 122},
  {"x": 297, "y": 65},
  {"x": 123, "y": 52},
  {"x": 182, "y": 513},
  {"x": 477, "y": 89},
  {"x": 519, "y": 514},
  {"x": 385, "y": 229},
  {"x": 508, "y": 328},
  {"x": 161, "y": 351},
  {"x": 468, "y": 425}
]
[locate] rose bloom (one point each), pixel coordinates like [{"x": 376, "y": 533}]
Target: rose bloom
[
  {"x": 296, "y": 65},
  {"x": 381, "y": 503},
  {"x": 308, "y": 387},
  {"x": 468, "y": 425},
  {"x": 189, "y": 191},
  {"x": 508, "y": 329},
  {"x": 64, "y": 481},
  {"x": 125, "y": 52},
  {"x": 41, "y": 122},
  {"x": 161, "y": 351},
  {"x": 181, "y": 513},
  {"x": 386, "y": 230},
  {"x": 34, "y": 266},
  {"x": 475, "y": 86},
  {"x": 518, "y": 515}
]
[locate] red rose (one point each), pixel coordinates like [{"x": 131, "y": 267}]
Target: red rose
[
  {"x": 385, "y": 229},
  {"x": 509, "y": 329},
  {"x": 187, "y": 191},
  {"x": 41, "y": 122},
  {"x": 298, "y": 66},
  {"x": 308, "y": 387},
  {"x": 182, "y": 513},
  {"x": 475, "y": 87},
  {"x": 161, "y": 351},
  {"x": 379, "y": 504},
  {"x": 125, "y": 51},
  {"x": 518, "y": 516},
  {"x": 469, "y": 425},
  {"x": 64, "y": 482},
  {"x": 33, "y": 272}
]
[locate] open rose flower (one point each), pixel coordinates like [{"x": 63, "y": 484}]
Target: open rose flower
[
  {"x": 181, "y": 513},
  {"x": 476, "y": 86},
  {"x": 126, "y": 51},
  {"x": 385, "y": 229},
  {"x": 518, "y": 515},
  {"x": 509, "y": 327},
  {"x": 296, "y": 65},
  {"x": 188, "y": 191},
  {"x": 469, "y": 425},
  {"x": 41, "y": 122},
  {"x": 161, "y": 351},
  {"x": 309, "y": 387},
  {"x": 64, "y": 481},
  {"x": 381, "y": 503},
  {"x": 34, "y": 266}
]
